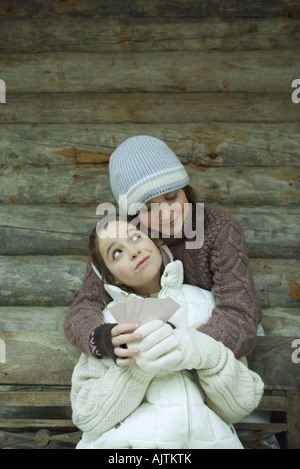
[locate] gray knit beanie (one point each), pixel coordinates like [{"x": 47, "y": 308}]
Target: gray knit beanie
[{"x": 142, "y": 168}]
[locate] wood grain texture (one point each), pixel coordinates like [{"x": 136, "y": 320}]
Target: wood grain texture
[
  {"x": 49, "y": 358},
  {"x": 170, "y": 71},
  {"x": 154, "y": 108},
  {"x": 148, "y": 8},
  {"x": 146, "y": 34},
  {"x": 272, "y": 360}
]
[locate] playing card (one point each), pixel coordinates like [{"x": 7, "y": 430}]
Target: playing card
[{"x": 144, "y": 310}]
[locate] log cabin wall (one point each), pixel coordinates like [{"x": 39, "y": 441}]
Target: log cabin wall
[{"x": 213, "y": 79}]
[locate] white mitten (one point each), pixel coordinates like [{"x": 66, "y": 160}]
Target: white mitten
[
  {"x": 198, "y": 351},
  {"x": 158, "y": 347}
]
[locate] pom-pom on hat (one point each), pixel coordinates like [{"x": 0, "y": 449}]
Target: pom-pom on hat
[{"x": 142, "y": 168}]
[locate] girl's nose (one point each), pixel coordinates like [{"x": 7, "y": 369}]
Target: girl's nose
[{"x": 134, "y": 252}]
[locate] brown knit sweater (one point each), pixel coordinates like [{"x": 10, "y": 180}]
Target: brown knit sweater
[{"x": 221, "y": 265}]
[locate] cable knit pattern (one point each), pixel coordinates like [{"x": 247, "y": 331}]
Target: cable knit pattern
[
  {"x": 221, "y": 265},
  {"x": 98, "y": 404}
]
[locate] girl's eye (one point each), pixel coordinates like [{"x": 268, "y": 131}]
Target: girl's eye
[
  {"x": 172, "y": 197},
  {"x": 116, "y": 253},
  {"x": 135, "y": 237}
]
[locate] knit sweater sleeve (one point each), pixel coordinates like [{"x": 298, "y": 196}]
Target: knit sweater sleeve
[
  {"x": 103, "y": 394},
  {"x": 231, "y": 390},
  {"x": 237, "y": 312},
  {"x": 85, "y": 314}
]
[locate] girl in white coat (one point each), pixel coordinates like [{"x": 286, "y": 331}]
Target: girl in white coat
[{"x": 185, "y": 389}]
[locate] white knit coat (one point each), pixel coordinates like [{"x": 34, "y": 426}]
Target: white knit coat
[{"x": 123, "y": 407}]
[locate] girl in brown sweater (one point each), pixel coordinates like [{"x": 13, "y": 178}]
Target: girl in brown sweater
[{"x": 147, "y": 179}]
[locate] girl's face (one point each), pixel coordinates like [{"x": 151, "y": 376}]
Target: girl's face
[
  {"x": 165, "y": 214},
  {"x": 131, "y": 257}
]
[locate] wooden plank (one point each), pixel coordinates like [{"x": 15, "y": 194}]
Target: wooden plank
[
  {"x": 46, "y": 229},
  {"x": 245, "y": 185},
  {"x": 37, "y": 358},
  {"x": 293, "y": 420},
  {"x": 272, "y": 360},
  {"x": 204, "y": 144},
  {"x": 269, "y": 403},
  {"x": 114, "y": 34},
  {"x": 145, "y": 108},
  {"x": 277, "y": 282},
  {"x": 241, "y": 185},
  {"x": 40, "y": 280},
  {"x": 270, "y": 428},
  {"x": 35, "y": 399},
  {"x": 36, "y": 423},
  {"x": 154, "y": 8},
  {"x": 269, "y": 231},
  {"x": 28, "y": 318},
  {"x": 168, "y": 71},
  {"x": 56, "y": 280},
  {"x": 65, "y": 229},
  {"x": 281, "y": 321}
]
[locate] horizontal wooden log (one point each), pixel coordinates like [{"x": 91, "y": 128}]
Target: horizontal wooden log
[
  {"x": 47, "y": 183},
  {"x": 35, "y": 399},
  {"x": 37, "y": 358},
  {"x": 44, "y": 229},
  {"x": 147, "y": 34},
  {"x": 26, "y": 424},
  {"x": 204, "y": 144},
  {"x": 30, "y": 318},
  {"x": 269, "y": 231},
  {"x": 41, "y": 280},
  {"x": 283, "y": 322},
  {"x": 272, "y": 360},
  {"x": 277, "y": 282},
  {"x": 152, "y": 8},
  {"x": 246, "y": 186},
  {"x": 46, "y": 150},
  {"x": 57, "y": 280},
  {"x": 211, "y": 71},
  {"x": 148, "y": 108},
  {"x": 269, "y": 403}
]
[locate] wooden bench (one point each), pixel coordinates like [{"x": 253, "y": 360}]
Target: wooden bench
[
  {"x": 275, "y": 360},
  {"x": 35, "y": 373},
  {"x": 35, "y": 376}
]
